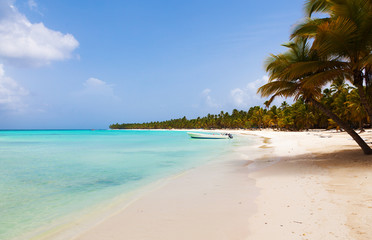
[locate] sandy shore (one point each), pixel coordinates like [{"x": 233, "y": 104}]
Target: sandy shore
[
  {"x": 320, "y": 189},
  {"x": 292, "y": 185}
]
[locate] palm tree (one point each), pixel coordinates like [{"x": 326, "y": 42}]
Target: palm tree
[
  {"x": 267, "y": 104},
  {"x": 343, "y": 41},
  {"x": 355, "y": 109},
  {"x": 304, "y": 118},
  {"x": 340, "y": 92},
  {"x": 271, "y": 117},
  {"x": 289, "y": 78},
  {"x": 258, "y": 117}
]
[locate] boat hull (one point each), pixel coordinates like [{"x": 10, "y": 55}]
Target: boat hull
[{"x": 207, "y": 136}]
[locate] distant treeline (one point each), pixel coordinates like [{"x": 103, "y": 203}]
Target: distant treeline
[{"x": 340, "y": 97}]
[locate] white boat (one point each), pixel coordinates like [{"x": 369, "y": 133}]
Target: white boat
[{"x": 209, "y": 136}]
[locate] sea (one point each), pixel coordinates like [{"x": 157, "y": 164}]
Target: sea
[{"x": 46, "y": 175}]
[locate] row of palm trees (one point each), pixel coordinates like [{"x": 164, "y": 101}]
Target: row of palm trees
[
  {"x": 342, "y": 99},
  {"x": 323, "y": 51},
  {"x": 327, "y": 50}
]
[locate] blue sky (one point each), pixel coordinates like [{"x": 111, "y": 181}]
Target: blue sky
[{"x": 86, "y": 64}]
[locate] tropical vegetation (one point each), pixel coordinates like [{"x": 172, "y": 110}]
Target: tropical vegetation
[
  {"x": 327, "y": 69},
  {"x": 328, "y": 50},
  {"x": 339, "y": 97}
]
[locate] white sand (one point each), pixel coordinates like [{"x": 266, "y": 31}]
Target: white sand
[
  {"x": 321, "y": 189},
  {"x": 294, "y": 185}
]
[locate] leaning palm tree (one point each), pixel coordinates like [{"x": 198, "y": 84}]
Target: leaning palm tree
[
  {"x": 288, "y": 78},
  {"x": 343, "y": 39}
]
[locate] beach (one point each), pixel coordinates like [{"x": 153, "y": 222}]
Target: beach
[
  {"x": 185, "y": 120},
  {"x": 292, "y": 185},
  {"x": 320, "y": 189},
  {"x": 53, "y": 181}
]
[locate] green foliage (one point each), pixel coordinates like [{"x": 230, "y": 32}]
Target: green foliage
[
  {"x": 341, "y": 98},
  {"x": 323, "y": 50},
  {"x": 342, "y": 40}
]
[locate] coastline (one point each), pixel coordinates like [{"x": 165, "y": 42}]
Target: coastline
[
  {"x": 96, "y": 176},
  {"x": 194, "y": 205},
  {"x": 297, "y": 185},
  {"x": 73, "y": 225}
]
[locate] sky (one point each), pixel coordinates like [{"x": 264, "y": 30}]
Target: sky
[{"x": 87, "y": 64}]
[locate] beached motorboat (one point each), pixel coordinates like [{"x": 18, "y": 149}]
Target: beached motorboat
[{"x": 210, "y": 136}]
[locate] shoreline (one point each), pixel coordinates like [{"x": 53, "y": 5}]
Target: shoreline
[
  {"x": 297, "y": 185},
  {"x": 195, "y": 203},
  {"x": 72, "y": 226}
]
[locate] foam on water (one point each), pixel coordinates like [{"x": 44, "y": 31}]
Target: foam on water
[{"x": 45, "y": 175}]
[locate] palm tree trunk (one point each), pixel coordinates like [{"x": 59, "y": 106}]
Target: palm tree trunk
[{"x": 363, "y": 145}]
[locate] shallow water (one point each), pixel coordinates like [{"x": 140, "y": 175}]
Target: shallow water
[{"x": 48, "y": 174}]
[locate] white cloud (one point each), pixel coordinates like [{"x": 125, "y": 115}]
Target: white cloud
[
  {"x": 206, "y": 92},
  {"x": 23, "y": 42},
  {"x": 247, "y": 96},
  {"x": 97, "y": 87},
  {"x": 32, "y": 4},
  {"x": 11, "y": 93},
  {"x": 208, "y": 100},
  {"x": 253, "y": 86},
  {"x": 238, "y": 96}
]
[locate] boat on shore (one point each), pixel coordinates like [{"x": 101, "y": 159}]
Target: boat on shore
[{"x": 210, "y": 136}]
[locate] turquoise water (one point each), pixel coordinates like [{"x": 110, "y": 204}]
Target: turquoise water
[{"x": 48, "y": 174}]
